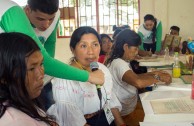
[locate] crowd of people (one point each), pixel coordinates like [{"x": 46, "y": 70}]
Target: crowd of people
[{"x": 82, "y": 96}]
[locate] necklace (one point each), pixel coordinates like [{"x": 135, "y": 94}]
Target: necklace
[{"x": 81, "y": 66}]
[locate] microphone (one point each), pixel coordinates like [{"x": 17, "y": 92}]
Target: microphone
[{"x": 94, "y": 66}]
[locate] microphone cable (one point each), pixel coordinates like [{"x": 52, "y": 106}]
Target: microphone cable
[{"x": 94, "y": 66}]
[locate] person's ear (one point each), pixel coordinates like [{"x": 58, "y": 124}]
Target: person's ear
[
  {"x": 72, "y": 51},
  {"x": 125, "y": 47},
  {"x": 27, "y": 9}
]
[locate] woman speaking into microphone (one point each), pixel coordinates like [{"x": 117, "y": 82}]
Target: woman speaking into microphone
[{"x": 78, "y": 103}]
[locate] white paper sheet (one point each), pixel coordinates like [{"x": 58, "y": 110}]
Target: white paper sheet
[
  {"x": 173, "y": 105},
  {"x": 149, "y": 113},
  {"x": 167, "y": 124}
]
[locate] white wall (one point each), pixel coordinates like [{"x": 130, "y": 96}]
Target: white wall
[
  {"x": 63, "y": 52},
  {"x": 170, "y": 12}
]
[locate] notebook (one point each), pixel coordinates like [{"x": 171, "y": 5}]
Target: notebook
[
  {"x": 187, "y": 79},
  {"x": 171, "y": 41}
]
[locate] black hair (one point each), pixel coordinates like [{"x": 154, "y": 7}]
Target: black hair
[
  {"x": 152, "y": 18},
  {"x": 45, "y": 6},
  {"x": 176, "y": 28},
  {"x": 185, "y": 48},
  {"x": 14, "y": 49},
  {"x": 101, "y": 37},
  {"x": 79, "y": 32},
  {"x": 126, "y": 36},
  {"x": 116, "y": 33},
  {"x": 120, "y": 27}
]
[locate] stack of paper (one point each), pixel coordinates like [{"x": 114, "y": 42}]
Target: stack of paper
[{"x": 167, "y": 124}]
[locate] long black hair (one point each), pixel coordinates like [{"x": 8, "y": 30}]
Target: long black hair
[
  {"x": 125, "y": 36},
  {"x": 101, "y": 37},
  {"x": 154, "y": 30},
  {"x": 14, "y": 49}
]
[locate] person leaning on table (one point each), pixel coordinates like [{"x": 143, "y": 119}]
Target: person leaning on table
[
  {"x": 21, "y": 82},
  {"x": 14, "y": 19},
  {"x": 125, "y": 81},
  {"x": 151, "y": 34}
]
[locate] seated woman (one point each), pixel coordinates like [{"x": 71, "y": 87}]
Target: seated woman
[
  {"x": 125, "y": 81},
  {"x": 78, "y": 103},
  {"x": 141, "y": 53},
  {"x": 21, "y": 81},
  {"x": 106, "y": 45}
]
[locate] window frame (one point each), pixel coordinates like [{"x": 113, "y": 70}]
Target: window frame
[{"x": 97, "y": 17}]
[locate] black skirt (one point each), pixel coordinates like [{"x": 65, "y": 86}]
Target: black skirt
[{"x": 99, "y": 120}]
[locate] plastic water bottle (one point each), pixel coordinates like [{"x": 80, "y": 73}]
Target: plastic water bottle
[
  {"x": 176, "y": 72},
  {"x": 166, "y": 56},
  {"x": 192, "y": 86}
]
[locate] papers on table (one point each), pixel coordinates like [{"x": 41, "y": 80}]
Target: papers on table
[
  {"x": 173, "y": 105},
  {"x": 167, "y": 124},
  {"x": 159, "y": 61},
  {"x": 150, "y": 116},
  {"x": 155, "y": 62}
]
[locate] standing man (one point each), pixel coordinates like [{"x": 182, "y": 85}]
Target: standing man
[
  {"x": 13, "y": 19},
  {"x": 44, "y": 17}
]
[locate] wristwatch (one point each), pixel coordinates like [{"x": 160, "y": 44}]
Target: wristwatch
[{"x": 157, "y": 77}]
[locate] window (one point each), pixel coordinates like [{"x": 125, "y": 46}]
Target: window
[{"x": 99, "y": 14}]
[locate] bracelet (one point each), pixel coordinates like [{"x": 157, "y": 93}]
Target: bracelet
[
  {"x": 155, "y": 86},
  {"x": 157, "y": 77}
]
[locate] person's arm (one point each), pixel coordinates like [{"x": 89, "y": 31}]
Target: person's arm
[
  {"x": 159, "y": 37},
  {"x": 118, "y": 119},
  {"x": 144, "y": 53},
  {"x": 15, "y": 20},
  {"x": 116, "y": 107},
  {"x": 51, "y": 42},
  {"x": 146, "y": 79}
]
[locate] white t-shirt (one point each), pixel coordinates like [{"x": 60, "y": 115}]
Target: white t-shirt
[
  {"x": 74, "y": 99},
  {"x": 126, "y": 93},
  {"x": 147, "y": 34}
]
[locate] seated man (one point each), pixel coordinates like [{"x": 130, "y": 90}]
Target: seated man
[{"x": 174, "y": 30}]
